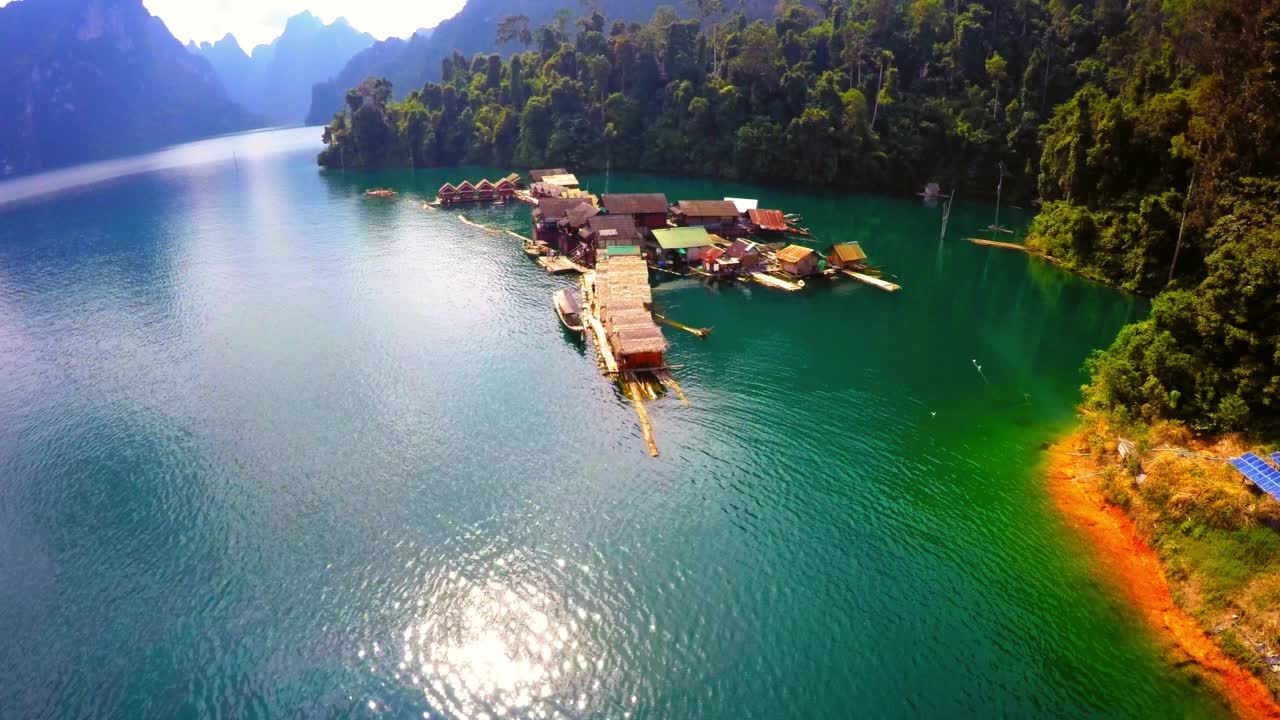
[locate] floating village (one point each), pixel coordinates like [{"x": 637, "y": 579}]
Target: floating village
[{"x": 618, "y": 243}]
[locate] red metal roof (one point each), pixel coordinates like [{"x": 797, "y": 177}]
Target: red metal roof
[{"x": 768, "y": 219}]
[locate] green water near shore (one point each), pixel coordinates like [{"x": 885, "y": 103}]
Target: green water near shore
[{"x": 270, "y": 448}]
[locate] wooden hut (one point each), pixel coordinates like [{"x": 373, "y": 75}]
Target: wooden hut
[
  {"x": 538, "y": 175},
  {"x": 545, "y": 190},
  {"x": 746, "y": 253},
  {"x": 608, "y": 231},
  {"x": 577, "y": 217},
  {"x": 687, "y": 244},
  {"x": 467, "y": 192},
  {"x": 568, "y": 181},
  {"x": 622, "y": 289},
  {"x": 611, "y": 231},
  {"x": 447, "y": 194},
  {"x": 556, "y": 221},
  {"x": 798, "y": 260},
  {"x": 767, "y": 222},
  {"x": 485, "y": 190},
  {"x": 639, "y": 348},
  {"x": 718, "y": 263},
  {"x": 505, "y": 189},
  {"x": 847, "y": 255},
  {"x": 547, "y": 217},
  {"x": 648, "y": 210},
  {"x": 718, "y": 215}
]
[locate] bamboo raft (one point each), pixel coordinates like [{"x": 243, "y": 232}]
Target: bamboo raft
[
  {"x": 636, "y": 391},
  {"x": 666, "y": 378},
  {"x": 700, "y": 332},
  {"x": 1000, "y": 244},
  {"x": 1012, "y": 246},
  {"x": 485, "y": 228},
  {"x": 873, "y": 281},
  {"x": 777, "y": 282}
]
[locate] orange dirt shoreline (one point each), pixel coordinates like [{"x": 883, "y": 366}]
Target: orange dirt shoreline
[{"x": 1126, "y": 559}]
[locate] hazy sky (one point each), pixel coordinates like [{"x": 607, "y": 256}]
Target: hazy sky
[{"x": 260, "y": 21}]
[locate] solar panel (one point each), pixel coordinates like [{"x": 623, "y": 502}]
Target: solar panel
[
  {"x": 1275, "y": 457},
  {"x": 1259, "y": 472}
]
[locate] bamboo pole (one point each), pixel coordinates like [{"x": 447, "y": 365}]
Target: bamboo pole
[
  {"x": 631, "y": 387},
  {"x": 700, "y": 332}
]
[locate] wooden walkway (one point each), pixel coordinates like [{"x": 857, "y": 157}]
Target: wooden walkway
[
  {"x": 602, "y": 345},
  {"x": 560, "y": 264}
]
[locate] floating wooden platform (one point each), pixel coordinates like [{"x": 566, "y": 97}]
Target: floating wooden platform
[
  {"x": 873, "y": 281},
  {"x": 602, "y": 344},
  {"x": 560, "y": 264},
  {"x": 777, "y": 282}
]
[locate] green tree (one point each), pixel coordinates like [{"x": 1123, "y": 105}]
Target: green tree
[{"x": 515, "y": 28}]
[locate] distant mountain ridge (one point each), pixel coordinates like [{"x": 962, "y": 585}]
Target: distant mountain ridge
[
  {"x": 412, "y": 63},
  {"x": 83, "y": 80},
  {"x": 275, "y": 80}
]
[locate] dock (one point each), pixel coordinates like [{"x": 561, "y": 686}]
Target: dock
[
  {"x": 777, "y": 282},
  {"x": 873, "y": 281},
  {"x": 559, "y": 265},
  {"x": 602, "y": 345}
]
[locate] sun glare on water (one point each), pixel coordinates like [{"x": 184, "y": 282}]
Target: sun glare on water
[{"x": 495, "y": 649}]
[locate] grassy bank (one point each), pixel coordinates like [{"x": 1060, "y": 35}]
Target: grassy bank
[{"x": 1214, "y": 538}]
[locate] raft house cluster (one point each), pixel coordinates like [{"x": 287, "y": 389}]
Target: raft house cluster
[{"x": 616, "y": 241}]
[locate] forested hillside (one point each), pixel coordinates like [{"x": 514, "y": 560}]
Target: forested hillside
[
  {"x": 1119, "y": 116},
  {"x": 409, "y": 64},
  {"x": 872, "y": 95}
]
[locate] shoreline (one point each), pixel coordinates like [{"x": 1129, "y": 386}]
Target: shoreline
[{"x": 1124, "y": 556}]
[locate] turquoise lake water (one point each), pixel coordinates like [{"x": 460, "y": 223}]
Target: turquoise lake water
[{"x": 272, "y": 449}]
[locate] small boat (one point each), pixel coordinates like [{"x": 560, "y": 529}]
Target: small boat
[
  {"x": 566, "y": 302},
  {"x": 380, "y": 193},
  {"x": 531, "y": 248}
]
